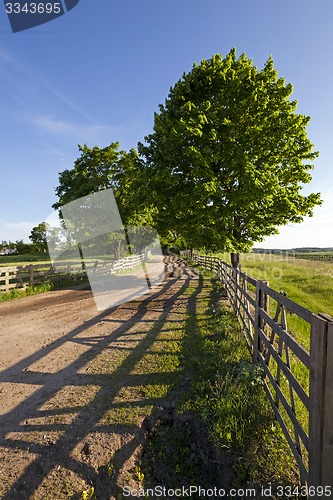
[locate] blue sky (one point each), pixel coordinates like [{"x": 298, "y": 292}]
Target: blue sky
[{"x": 97, "y": 74}]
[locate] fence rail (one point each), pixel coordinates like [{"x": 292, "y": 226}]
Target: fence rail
[
  {"x": 33, "y": 274},
  {"x": 119, "y": 265},
  {"x": 298, "y": 383}
]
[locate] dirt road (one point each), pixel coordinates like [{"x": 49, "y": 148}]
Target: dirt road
[{"x": 64, "y": 370}]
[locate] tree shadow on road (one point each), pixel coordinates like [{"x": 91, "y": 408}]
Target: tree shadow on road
[{"x": 83, "y": 423}]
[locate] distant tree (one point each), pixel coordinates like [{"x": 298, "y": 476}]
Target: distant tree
[
  {"x": 38, "y": 238},
  {"x": 228, "y": 157},
  {"x": 8, "y": 247}
]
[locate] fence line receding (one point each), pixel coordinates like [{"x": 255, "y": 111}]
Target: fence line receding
[{"x": 298, "y": 382}]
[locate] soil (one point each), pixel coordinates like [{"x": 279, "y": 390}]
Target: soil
[{"x": 65, "y": 373}]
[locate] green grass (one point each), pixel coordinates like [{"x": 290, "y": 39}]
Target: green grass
[
  {"x": 226, "y": 395},
  {"x": 309, "y": 283},
  {"x": 313, "y": 253},
  {"x": 229, "y": 396}
]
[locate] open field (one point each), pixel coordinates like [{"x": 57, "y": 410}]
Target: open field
[
  {"x": 321, "y": 256},
  {"x": 307, "y": 282},
  {"x": 310, "y": 283},
  {"x": 330, "y": 254},
  {"x": 38, "y": 258},
  {"x": 26, "y": 278},
  {"x": 23, "y": 259}
]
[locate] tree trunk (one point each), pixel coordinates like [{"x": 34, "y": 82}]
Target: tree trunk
[
  {"x": 128, "y": 243},
  {"x": 117, "y": 245},
  {"x": 141, "y": 250},
  {"x": 235, "y": 260}
]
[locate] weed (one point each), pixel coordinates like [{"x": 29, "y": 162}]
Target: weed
[
  {"x": 89, "y": 493},
  {"x": 110, "y": 469},
  {"x": 225, "y": 396},
  {"x": 139, "y": 475}
]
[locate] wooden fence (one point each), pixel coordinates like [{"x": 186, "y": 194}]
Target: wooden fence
[
  {"x": 298, "y": 382},
  {"x": 34, "y": 274},
  {"x": 118, "y": 265}
]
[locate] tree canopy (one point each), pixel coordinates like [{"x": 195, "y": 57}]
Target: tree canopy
[
  {"x": 223, "y": 168},
  {"x": 229, "y": 156}
]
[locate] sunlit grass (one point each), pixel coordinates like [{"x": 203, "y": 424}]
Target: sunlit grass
[
  {"x": 310, "y": 284},
  {"x": 24, "y": 259},
  {"x": 307, "y": 282}
]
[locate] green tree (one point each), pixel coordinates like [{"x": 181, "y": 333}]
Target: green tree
[
  {"x": 38, "y": 238},
  {"x": 228, "y": 157},
  {"x": 102, "y": 168},
  {"x": 3, "y": 244},
  {"x": 23, "y": 248}
]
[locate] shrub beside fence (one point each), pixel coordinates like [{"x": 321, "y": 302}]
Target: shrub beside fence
[{"x": 298, "y": 383}]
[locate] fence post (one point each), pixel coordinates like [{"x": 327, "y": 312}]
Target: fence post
[
  {"x": 31, "y": 274},
  {"x": 225, "y": 269},
  {"x": 327, "y": 476},
  {"x": 219, "y": 269},
  {"x": 7, "y": 278},
  {"x": 261, "y": 303},
  {"x": 257, "y": 322},
  {"x": 321, "y": 402},
  {"x": 236, "y": 282},
  {"x": 94, "y": 267}
]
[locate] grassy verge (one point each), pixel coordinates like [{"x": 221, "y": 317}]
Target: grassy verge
[
  {"x": 221, "y": 400},
  {"x": 303, "y": 281}
]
